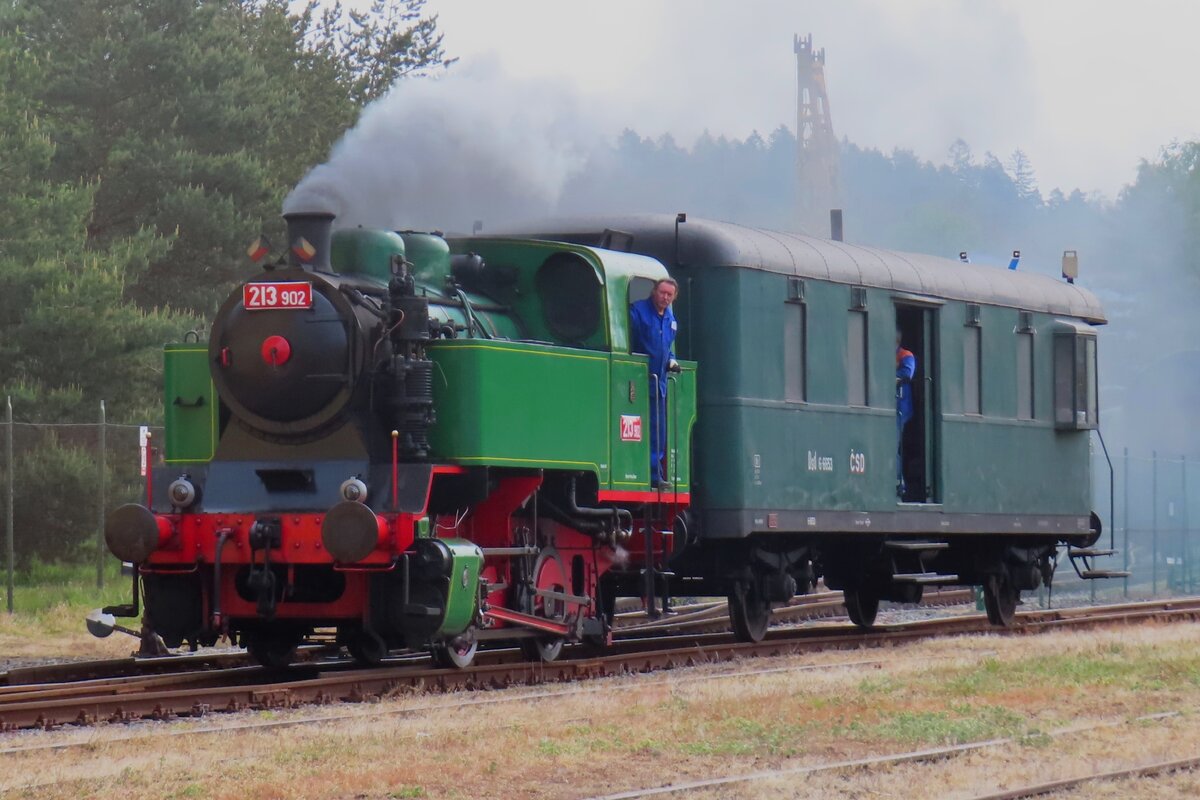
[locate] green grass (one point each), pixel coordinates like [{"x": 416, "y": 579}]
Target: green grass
[
  {"x": 959, "y": 725},
  {"x": 54, "y": 598},
  {"x": 1112, "y": 667},
  {"x": 408, "y": 791}
]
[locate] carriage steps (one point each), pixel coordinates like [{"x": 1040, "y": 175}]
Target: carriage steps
[{"x": 1089, "y": 572}]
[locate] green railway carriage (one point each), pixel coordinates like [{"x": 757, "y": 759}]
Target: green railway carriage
[{"x": 796, "y": 441}]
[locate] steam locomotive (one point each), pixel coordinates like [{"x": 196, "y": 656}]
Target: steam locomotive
[{"x": 421, "y": 441}]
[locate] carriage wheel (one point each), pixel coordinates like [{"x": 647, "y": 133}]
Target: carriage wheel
[
  {"x": 549, "y": 575},
  {"x": 749, "y": 612},
  {"x": 1000, "y": 599},
  {"x": 862, "y": 606}
]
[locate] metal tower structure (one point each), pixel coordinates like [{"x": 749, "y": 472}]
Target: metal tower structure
[{"x": 817, "y": 157}]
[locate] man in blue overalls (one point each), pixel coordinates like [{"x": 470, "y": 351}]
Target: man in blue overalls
[
  {"x": 906, "y": 368},
  {"x": 652, "y": 330}
]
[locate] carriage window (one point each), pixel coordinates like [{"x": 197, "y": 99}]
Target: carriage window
[
  {"x": 1024, "y": 375},
  {"x": 972, "y": 361},
  {"x": 1093, "y": 394},
  {"x": 1064, "y": 381},
  {"x": 795, "y": 350},
  {"x": 856, "y": 359},
  {"x": 1076, "y": 400}
]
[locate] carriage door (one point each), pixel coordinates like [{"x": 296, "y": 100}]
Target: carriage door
[{"x": 919, "y": 447}]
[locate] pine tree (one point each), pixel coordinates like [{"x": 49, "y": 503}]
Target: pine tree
[
  {"x": 193, "y": 118},
  {"x": 68, "y": 338}
]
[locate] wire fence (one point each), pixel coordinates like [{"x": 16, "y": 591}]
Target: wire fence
[
  {"x": 1155, "y": 517},
  {"x": 59, "y": 480}
]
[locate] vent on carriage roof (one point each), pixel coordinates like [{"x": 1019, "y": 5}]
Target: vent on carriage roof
[{"x": 616, "y": 240}]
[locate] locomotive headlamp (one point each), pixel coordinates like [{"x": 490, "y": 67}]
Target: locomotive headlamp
[
  {"x": 350, "y": 531},
  {"x": 182, "y": 493},
  {"x": 132, "y": 532},
  {"x": 354, "y": 490}
]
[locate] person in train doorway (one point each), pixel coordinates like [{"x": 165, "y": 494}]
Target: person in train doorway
[
  {"x": 652, "y": 330},
  {"x": 906, "y": 368}
]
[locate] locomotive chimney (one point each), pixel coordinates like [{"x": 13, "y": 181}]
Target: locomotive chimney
[{"x": 315, "y": 228}]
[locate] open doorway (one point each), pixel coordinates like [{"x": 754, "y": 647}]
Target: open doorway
[{"x": 916, "y": 333}]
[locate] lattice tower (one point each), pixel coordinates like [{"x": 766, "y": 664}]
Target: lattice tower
[{"x": 817, "y": 156}]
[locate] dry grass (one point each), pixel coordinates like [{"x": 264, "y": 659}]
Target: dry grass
[
  {"x": 51, "y": 602},
  {"x": 692, "y": 724},
  {"x": 58, "y": 634}
]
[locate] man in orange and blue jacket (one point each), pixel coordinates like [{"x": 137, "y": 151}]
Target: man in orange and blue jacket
[{"x": 906, "y": 368}]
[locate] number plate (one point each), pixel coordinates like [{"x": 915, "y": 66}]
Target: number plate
[
  {"x": 631, "y": 428},
  {"x": 263, "y": 296}
]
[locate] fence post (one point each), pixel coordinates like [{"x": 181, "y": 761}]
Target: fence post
[
  {"x": 8, "y": 418},
  {"x": 1186, "y": 534},
  {"x": 1154, "y": 524},
  {"x": 1125, "y": 517},
  {"x": 103, "y": 501}
]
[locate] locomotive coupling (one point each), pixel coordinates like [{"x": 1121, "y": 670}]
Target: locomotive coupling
[{"x": 132, "y": 532}]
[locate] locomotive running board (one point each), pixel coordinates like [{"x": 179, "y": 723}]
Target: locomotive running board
[{"x": 528, "y": 621}]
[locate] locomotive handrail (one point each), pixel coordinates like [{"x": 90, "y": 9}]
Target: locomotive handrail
[{"x": 524, "y": 550}]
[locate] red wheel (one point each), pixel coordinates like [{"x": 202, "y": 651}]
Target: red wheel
[{"x": 549, "y": 584}]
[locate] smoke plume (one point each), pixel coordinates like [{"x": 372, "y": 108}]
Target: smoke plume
[{"x": 442, "y": 154}]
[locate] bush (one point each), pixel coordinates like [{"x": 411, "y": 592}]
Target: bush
[{"x": 55, "y": 503}]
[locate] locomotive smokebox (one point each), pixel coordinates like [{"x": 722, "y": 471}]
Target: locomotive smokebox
[{"x": 314, "y": 228}]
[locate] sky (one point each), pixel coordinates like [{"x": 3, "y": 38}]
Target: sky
[{"x": 1085, "y": 89}]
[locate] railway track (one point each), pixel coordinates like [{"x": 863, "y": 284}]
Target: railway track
[
  {"x": 197, "y": 693},
  {"x": 926, "y": 755},
  {"x": 704, "y": 617}
]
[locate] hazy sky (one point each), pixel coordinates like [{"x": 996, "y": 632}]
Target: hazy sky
[{"x": 1085, "y": 88}]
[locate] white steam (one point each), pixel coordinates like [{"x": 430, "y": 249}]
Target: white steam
[{"x": 441, "y": 154}]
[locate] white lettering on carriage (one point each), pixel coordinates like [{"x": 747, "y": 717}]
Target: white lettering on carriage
[{"x": 819, "y": 463}]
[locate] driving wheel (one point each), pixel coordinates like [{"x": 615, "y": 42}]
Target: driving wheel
[{"x": 549, "y": 584}]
